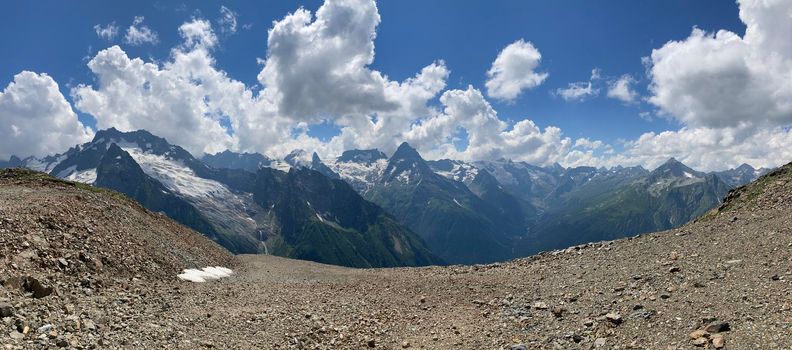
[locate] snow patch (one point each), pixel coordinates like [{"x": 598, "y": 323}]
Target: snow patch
[
  {"x": 205, "y": 274},
  {"x": 457, "y": 202}
]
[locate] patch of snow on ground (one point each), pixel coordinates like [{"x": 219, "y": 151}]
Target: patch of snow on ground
[
  {"x": 457, "y": 202},
  {"x": 205, "y": 274},
  {"x": 689, "y": 175}
]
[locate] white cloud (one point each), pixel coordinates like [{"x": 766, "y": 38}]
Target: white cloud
[
  {"x": 227, "y": 20},
  {"x": 622, "y": 90},
  {"x": 198, "y": 33},
  {"x": 183, "y": 100},
  {"x": 318, "y": 69},
  {"x": 709, "y": 148},
  {"x": 514, "y": 70},
  {"x": 138, "y": 33},
  {"x": 723, "y": 80},
  {"x": 35, "y": 118},
  {"x": 107, "y": 32},
  {"x": 581, "y": 90}
]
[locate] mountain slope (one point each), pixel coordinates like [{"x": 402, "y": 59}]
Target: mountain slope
[
  {"x": 323, "y": 219},
  {"x": 226, "y": 203},
  {"x": 456, "y": 224},
  {"x": 118, "y": 171},
  {"x": 668, "y": 197}
]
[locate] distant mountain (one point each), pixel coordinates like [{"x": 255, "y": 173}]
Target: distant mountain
[
  {"x": 457, "y": 225},
  {"x": 226, "y": 203},
  {"x": 360, "y": 168},
  {"x": 118, "y": 171},
  {"x": 670, "y": 196},
  {"x": 324, "y": 219},
  {"x": 389, "y": 211},
  {"x": 741, "y": 175}
]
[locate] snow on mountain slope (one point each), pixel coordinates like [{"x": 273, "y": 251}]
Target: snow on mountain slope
[
  {"x": 87, "y": 176},
  {"x": 455, "y": 170},
  {"x": 214, "y": 199},
  {"x": 362, "y": 176}
]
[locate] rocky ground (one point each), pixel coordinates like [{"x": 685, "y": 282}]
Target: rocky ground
[{"x": 724, "y": 281}]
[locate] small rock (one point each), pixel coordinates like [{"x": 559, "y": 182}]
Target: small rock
[
  {"x": 600, "y": 342},
  {"x": 371, "y": 343},
  {"x": 62, "y": 262},
  {"x": 718, "y": 342},
  {"x": 557, "y": 311},
  {"x": 519, "y": 347},
  {"x": 613, "y": 318},
  {"x": 6, "y": 310},
  {"x": 717, "y": 327},
  {"x": 16, "y": 335},
  {"x": 700, "y": 341},
  {"x": 44, "y": 329},
  {"x": 405, "y": 345},
  {"x": 422, "y": 300},
  {"x": 540, "y": 305},
  {"x": 674, "y": 269},
  {"x": 700, "y": 333}
]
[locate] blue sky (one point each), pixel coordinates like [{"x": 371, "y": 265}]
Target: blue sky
[
  {"x": 573, "y": 36},
  {"x": 58, "y": 38}
]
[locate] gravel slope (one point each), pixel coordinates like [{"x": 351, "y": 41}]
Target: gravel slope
[{"x": 648, "y": 292}]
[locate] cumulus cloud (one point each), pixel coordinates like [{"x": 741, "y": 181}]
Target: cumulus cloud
[
  {"x": 35, "y": 118},
  {"x": 581, "y": 90},
  {"x": 227, "y": 20},
  {"x": 622, "y": 90},
  {"x": 107, "y": 32},
  {"x": 318, "y": 70},
  {"x": 490, "y": 137},
  {"x": 138, "y": 33},
  {"x": 514, "y": 70},
  {"x": 723, "y": 80},
  {"x": 708, "y": 148},
  {"x": 183, "y": 100}
]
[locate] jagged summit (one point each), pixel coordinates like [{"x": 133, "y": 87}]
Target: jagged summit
[
  {"x": 405, "y": 151},
  {"x": 406, "y": 164}
]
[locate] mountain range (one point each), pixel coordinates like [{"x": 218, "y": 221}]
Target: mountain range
[{"x": 365, "y": 209}]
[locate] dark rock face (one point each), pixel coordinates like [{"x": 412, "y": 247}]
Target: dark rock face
[
  {"x": 361, "y": 156},
  {"x": 323, "y": 219}
]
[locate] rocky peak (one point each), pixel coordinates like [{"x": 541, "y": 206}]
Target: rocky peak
[
  {"x": 406, "y": 163},
  {"x": 674, "y": 168}
]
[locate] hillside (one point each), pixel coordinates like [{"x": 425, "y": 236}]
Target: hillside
[
  {"x": 85, "y": 260},
  {"x": 729, "y": 272}
]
